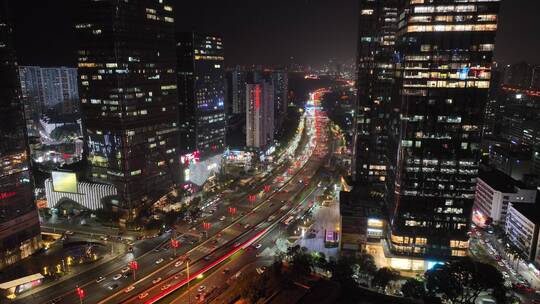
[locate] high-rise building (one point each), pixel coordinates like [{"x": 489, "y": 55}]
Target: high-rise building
[
  {"x": 49, "y": 86},
  {"x": 127, "y": 86},
  {"x": 45, "y": 88},
  {"x": 236, "y": 87},
  {"x": 444, "y": 53},
  {"x": 376, "y": 42},
  {"x": 259, "y": 114},
  {"x": 201, "y": 87},
  {"x": 19, "y": 223},
  {"x": 280, "y": 81}
]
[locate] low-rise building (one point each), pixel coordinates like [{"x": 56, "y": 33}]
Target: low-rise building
[
  {"x": 522, "y": 223},
  {"x": 494, "y": 191},
  {"x": 361, "y": 218}
]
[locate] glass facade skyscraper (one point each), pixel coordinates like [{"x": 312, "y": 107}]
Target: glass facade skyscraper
[
  {"x": 127, "y": 86},
  {"x": 444, "y": 52},
  {"x": 376, "y": 42},
  {"x": 19, "y": 223},
  {"x": 201, "y": 90}
]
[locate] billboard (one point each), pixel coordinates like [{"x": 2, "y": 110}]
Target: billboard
[{"x": 64, "y": 181}]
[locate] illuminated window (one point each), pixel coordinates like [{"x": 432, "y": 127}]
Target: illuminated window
[{"x": 367, "y": 12}]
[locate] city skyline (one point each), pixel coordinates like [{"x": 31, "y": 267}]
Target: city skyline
[
  {"x": 310, "y": 31},
  {"x": 298, "y": 151}
]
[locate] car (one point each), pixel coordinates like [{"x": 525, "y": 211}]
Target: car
[
  {"x": 157, "y": 280},
  {"x": 125, "y": 269},
  {"x": 261, "y": 270},
  {"x": 257, "y": 246},
  {"x": 246, "y": 226},
  {"x": 69, "y": 232},
  {"x": 178, "y": 264},
  {"x": 129, "y": 288},
  {"x": 501, "y": 264},
  {"x": 112, "y": 287},
  {"x": 117, "y": 277},
  {"x": 222, "y": 218},
  {"x": 143, "y": 295},
  {"x": 100, "y": 279},
  {"x": 159, "y": 261},
  {"x": 201, "y": 288},
  {"x": 103, "y": 238},
  {"x": 166, "y": 286}
]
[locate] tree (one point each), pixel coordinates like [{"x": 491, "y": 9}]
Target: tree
[
  {"x": 413, "y": 288},
  {"x": 383, "y": 276},
  {"x": 366, "y": 263},
  {"x": 463, "y": 280},
  {"x": 342, "y": 273},
  {"x": 301, "y": 262}
]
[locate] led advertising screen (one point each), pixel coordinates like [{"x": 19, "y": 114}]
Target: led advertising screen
[{"x": 64, "y": 181}]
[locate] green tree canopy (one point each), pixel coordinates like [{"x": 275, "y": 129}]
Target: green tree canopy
[{"x": 463, "y": 280}]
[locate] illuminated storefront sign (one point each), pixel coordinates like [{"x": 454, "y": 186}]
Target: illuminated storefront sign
[
  {"x": 4, "y": 195},
  {"x": 190, "y": 158}
]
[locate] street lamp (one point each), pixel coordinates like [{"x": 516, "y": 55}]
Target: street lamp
[
  {"x": 175, "y": 244},
  {"x": 134, "y": 266},
  {"x": 232, "y": 211}
]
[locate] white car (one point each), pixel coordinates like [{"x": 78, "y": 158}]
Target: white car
[
  {"x": 258, "y": 246},
  {"x": 155, "y": 281},
  {"x": 222, "y": 218},
  {"x": 117, "y": 277},
  {"x": 201, "y": 288},
  {"x": 68, "y": 232},
  {"x": 159, "y": 261},
  {"x": 100, "y": 279},
  {"x": 125, "y": 269},
  {"x": 178, "y": 264}
]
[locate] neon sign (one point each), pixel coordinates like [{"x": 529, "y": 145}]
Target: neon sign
[
  {"x": 189, "y": 158},
  {"x": 4, "y": 195}
]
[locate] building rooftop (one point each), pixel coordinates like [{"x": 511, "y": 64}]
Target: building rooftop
[
  {"x": 530, "y": 211},
  {"x": 499, "y": 181}
]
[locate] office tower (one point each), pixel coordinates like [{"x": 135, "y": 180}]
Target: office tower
[
  {"x": 201, "y": 87},
  {"x": 377, "y": 30},
  {"x": 444, "y": 52},
  {"x": 280, "y": 82},
  {"x": 236, "y": 85},
  {"x": 259, "y": 114},
  {"x": 127, "y": 86},
  {"x": 19, "y": 223}
]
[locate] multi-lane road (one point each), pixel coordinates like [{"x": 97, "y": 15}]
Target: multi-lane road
[{"x": 160, "y": 272}]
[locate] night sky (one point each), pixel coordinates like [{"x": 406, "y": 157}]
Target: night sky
[{"x": 259, "y": 32}]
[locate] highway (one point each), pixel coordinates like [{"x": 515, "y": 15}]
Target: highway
[
  {"x": 232, "y": 239},
  {"x": 233, "y": 257},
  {"x": 223, "y": 235}
]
